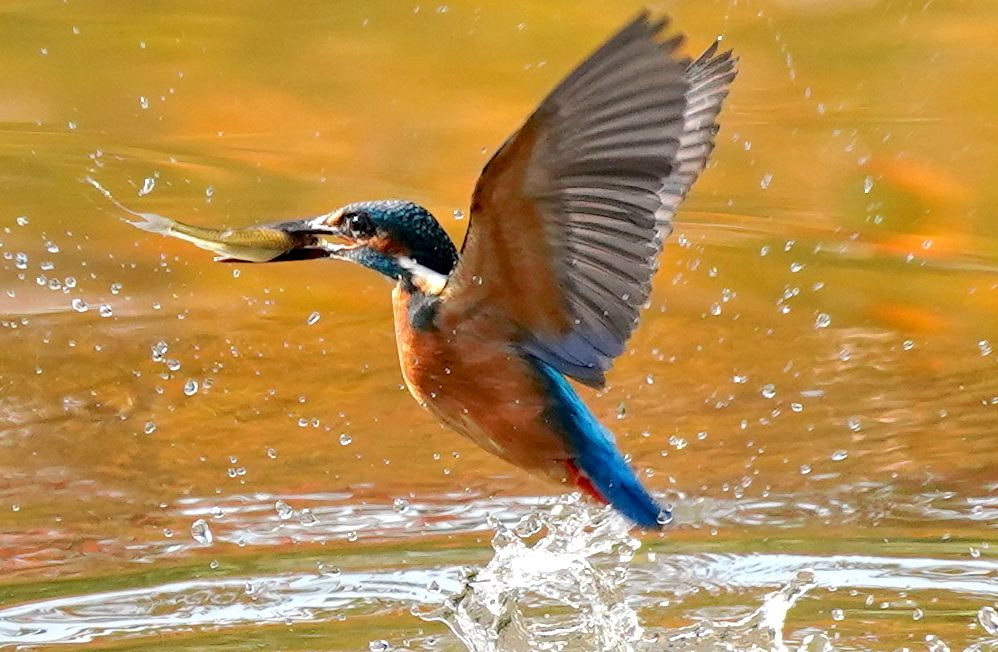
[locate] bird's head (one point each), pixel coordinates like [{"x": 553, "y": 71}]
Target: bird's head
[{"x": 397, "y": 238}]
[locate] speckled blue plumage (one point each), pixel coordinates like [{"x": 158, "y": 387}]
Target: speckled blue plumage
[{"x": 415, "y": 229}]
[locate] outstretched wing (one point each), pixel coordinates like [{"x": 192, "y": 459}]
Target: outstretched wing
[{"x": 568, "y": 217}]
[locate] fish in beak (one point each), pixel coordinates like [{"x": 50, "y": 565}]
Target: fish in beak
[
  {"x": 283, "y": 241},
  {"x": 302, "y": 239}
]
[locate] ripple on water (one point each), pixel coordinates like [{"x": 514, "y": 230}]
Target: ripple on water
[{"x": 567, "y": 574}]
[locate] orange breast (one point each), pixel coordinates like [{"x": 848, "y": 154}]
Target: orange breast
[{"x": 471, "y": 379}]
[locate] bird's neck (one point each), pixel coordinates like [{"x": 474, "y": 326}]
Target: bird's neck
[{"x": 419, "y": 308}]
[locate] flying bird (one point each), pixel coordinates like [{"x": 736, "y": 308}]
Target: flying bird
[{"x": 566, "y": 226}]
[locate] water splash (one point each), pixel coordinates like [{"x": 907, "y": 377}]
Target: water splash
[
  {"x": 760, "y": 631},
  {"x": 556, "y": 582},
  {"x": 559, "y": 591}
]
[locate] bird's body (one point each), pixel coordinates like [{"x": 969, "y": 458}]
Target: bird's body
[
  {"x": 473, "y": 377},
  {"x": 567, "y": 222},
  {"x": 469, "y": 375}
]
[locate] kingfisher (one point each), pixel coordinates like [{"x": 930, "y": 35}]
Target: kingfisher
[{"x": 567, "y": 223}]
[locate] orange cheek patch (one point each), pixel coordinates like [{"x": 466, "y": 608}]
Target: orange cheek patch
[{"x": 387, "y": 246}]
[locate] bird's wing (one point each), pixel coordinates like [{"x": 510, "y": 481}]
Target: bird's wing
[{"x": 567, "y": 218}]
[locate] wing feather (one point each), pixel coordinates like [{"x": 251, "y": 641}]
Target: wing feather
[{"x": 568, "y": 217}]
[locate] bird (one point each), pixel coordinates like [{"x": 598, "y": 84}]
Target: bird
[{"x": 567, "y": 224}]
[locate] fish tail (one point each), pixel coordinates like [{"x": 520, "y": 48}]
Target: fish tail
[
  {"x": 154, "y": 223},
  {"x": 147, "y": 221},
  {"x": 602, "y": 471}
]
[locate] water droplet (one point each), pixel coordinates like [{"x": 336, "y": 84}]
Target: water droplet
[
  {"x": 173, "y": 364},
  {"x": 988, "y": 618},
  {"x": 345, "y": 439},
  {"x": 271, "y": 453},
  {"x": 400, "y": 505},
  {"x": 935, "y": 644},
  {"x": 823, "y": 320},
  {"x": 796, "y": 267},
  {"x": 209, "y": 192},
  {"x": 22, "y": 220},
  {"x": 191, "y": 387},
  {"x": 149, "y": 428},
  {"x": 839, "y": 455},
  {"x": 379, "y": 646},
  {"x": 805, "y": 469},
  {"x": 105, "y": 310},
  {"x": 14, "y": 507},
  {"x": 817, "y": 642},
  {"x": 769, "y": 391},
  {"x": 313, "y": 318},
  {"x": 867, "y": 185},
  {"x": 975, "y": 552},
  {"x": 21, "y": 260},
  {"x": 284, "y": 511},
  {"x": 51, "y": 247},
  {"x": 985, "y": 347},
  {"x": 528, "y": 526},
  {"x": 143, "y": 102},
  {"x": 307, "y": 518},
  {"x": 159, "y": 349},
  {"x": 908, "y": 345},
  {"x": 458, "y": 214},
  {"x": 917, "y": 614},
  {"x": 765, "y": 181},
  {"x": 79, "y": 305},
  {"x": 201, "y": 532},
  {"x": 352, "y": 536},
  {"x": 71, "y": 125},
  {"x": 664, "y": 517},
  {"x": 115, "y": 288},
  {"x": 854, "y": 424},
  {"x": 838, "y": 614},
  {"x": 147, "y": 186},
  {"x": 739, "y": 379},
  {"x": 715, "y": 309}
]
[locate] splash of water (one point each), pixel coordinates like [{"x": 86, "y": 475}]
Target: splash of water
[{"x": 556, "y": 583}]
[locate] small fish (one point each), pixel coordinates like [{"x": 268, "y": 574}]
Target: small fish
[
  {"x": 295, "y": 240},
  {"x": 255, "y": 244}
]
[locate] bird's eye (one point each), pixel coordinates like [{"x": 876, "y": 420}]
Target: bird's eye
[{"x": 358, "y": 224}]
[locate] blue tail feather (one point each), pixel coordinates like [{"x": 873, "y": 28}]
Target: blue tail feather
[{"x": 596, "y": 454}]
